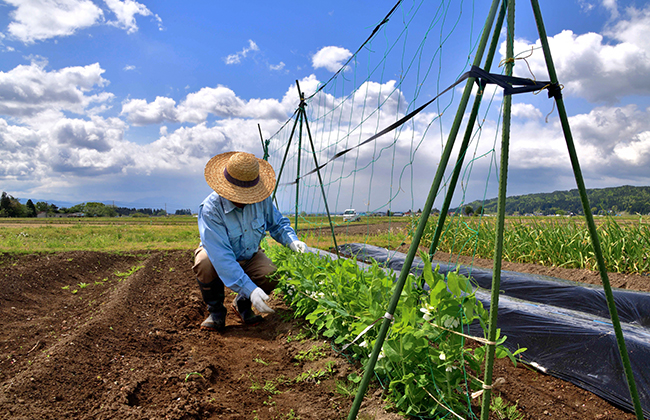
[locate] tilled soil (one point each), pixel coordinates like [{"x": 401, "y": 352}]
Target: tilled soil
[{"x": 126, "y": 345}]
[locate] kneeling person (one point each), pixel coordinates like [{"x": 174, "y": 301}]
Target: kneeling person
[{"x": 232, "y": 222}]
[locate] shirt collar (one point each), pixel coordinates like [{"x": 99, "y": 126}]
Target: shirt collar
[{"x": 228, "y": 205}]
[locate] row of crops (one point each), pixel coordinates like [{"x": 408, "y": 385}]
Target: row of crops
[
  {"x": 561, "y": 242},
  {"x": 424, "y": 362}
]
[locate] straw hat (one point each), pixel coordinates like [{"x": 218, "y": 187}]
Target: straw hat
[{"x": 240, "y": 177}]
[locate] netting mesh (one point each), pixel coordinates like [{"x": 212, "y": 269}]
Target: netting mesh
[{"x": 399, "y": 68}]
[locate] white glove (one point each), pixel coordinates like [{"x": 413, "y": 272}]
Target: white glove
[
  {"x": 258, "y": 298},
  {"x": 298, "y": 246}
]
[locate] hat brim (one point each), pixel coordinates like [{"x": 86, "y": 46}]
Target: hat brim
[{"x": 214, "y": 175}]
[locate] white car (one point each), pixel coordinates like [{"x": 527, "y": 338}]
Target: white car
[{"x": 350, "y": 215}]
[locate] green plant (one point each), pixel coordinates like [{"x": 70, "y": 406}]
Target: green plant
[
  {"x": 300, "y": 337},
  {"x": 346, "y": 388},
  {"x": 129, "y": 272},
  {"x": 255, "y": 386},
  {"x": 424, "y": 352},
  {"x": 504, "y": 411},
  {"x": 260, "y": 361},
  {"x": 191, "y": 374},
  {"x": 291, "y": 415},
  {"x": 271, "y": 388},
  {"x": 82, "y": 285},
  {"x": 314, "y": 353}
]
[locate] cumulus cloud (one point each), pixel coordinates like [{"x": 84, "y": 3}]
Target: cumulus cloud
[
  {"x": 613, "y": 146},
  {"x": 125, "y": 12},
  {"x": 28, "y": 90},
  {"x": 330, "y": 58},
  {"x": 37, "y": 20},
  {"x": 141, "y": 112},
  {"x": 221, "y": 102},
  {"x": 634, "y": 29},
  {"x": 526, "y": 111},
  {"x": 592, "y": 67},
  {"x": 237, "y": 57}
]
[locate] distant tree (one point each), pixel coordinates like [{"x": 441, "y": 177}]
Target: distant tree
[
  {"x": 468, "y": 210},
  {"x": 31, "y": 208},
  {"x": 42, "y": 206},
  {"x": 5, "y": 205},
  {"x": 10, "y": 207},
  {"x": 479, "y": 211},
  {"x": 183, "y": 212}
]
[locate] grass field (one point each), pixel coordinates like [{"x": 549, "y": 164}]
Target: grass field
[{"x": 549, "y": 241}]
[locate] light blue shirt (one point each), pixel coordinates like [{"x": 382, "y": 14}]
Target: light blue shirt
[{"x": 230, "y": 234}]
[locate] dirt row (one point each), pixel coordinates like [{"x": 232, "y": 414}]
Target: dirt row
[{"x": 88, "y": 335}]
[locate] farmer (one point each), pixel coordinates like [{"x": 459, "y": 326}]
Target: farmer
[{"x": 232, "y": 222}]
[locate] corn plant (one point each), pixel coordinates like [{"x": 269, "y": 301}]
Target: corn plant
[{"x": 549, "y": 241}]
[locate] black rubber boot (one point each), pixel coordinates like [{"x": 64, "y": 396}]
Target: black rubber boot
[
  {"x": 213, "y": 295},
  {"x": 242, "y": 307}
]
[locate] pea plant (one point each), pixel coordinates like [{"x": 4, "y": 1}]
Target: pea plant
[{"x": 424, "y": 361}]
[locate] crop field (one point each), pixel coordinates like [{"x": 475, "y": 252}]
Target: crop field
[{"x": 100, "y": 321}]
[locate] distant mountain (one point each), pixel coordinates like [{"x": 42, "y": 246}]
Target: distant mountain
[{"x": 625, "y": 199}]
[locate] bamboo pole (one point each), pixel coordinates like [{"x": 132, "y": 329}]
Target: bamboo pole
[
  {"x": 300, "y": 114},
  {"x": 620, "y": 340},
  {"x": 501, "y": 216},
  {"x": 444, "y": 159},
  {"x": 320, "y": 179}
]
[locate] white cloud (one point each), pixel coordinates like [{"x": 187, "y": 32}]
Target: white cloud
[
  {"x": 125, "y": 12},
  {"x": 197, "y": 106},
  {"x": 611, "y": 6},
  {"x": 37, "y": 20},
  {"x": 26, "y": 91},
  {"x": 526, "y": 111},
  {"x": 330, "y": 58},
  {"x": 140, "y": 112},
  {"x": 277, "y": 67},
  {"x": 613, "y": 144},
  {"x": 590, "y": 68},
  {"x": 237, "y": 57},
  {"x": 634, "y": 30},
  {"x": 129, "y": 67}
]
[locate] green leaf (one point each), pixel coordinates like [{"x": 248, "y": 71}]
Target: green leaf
[{"x": 452, "y": 283}]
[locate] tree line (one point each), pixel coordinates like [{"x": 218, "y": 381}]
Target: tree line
[
  {"x": 616, "y": 200},
  {"x": 12, "y": 207}
]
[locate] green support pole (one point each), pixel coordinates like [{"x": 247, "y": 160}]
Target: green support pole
[
  {"x": 300, "y": 113},
  {"x": 501, "y": 215},
  {"x": 320, "y": 179},
  {"x": 595, "y": 241},
  {"x": 265, "y": 148},
  {"x": 468, "y": 135},
  {"x": 284, "y": 159},
  {"x": 444, "y": 159}
]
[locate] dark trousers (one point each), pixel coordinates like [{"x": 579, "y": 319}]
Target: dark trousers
[{"x": 258, "y": 268}]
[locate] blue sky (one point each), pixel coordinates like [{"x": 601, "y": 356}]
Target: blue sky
[{"x": 125, "y": 101}]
